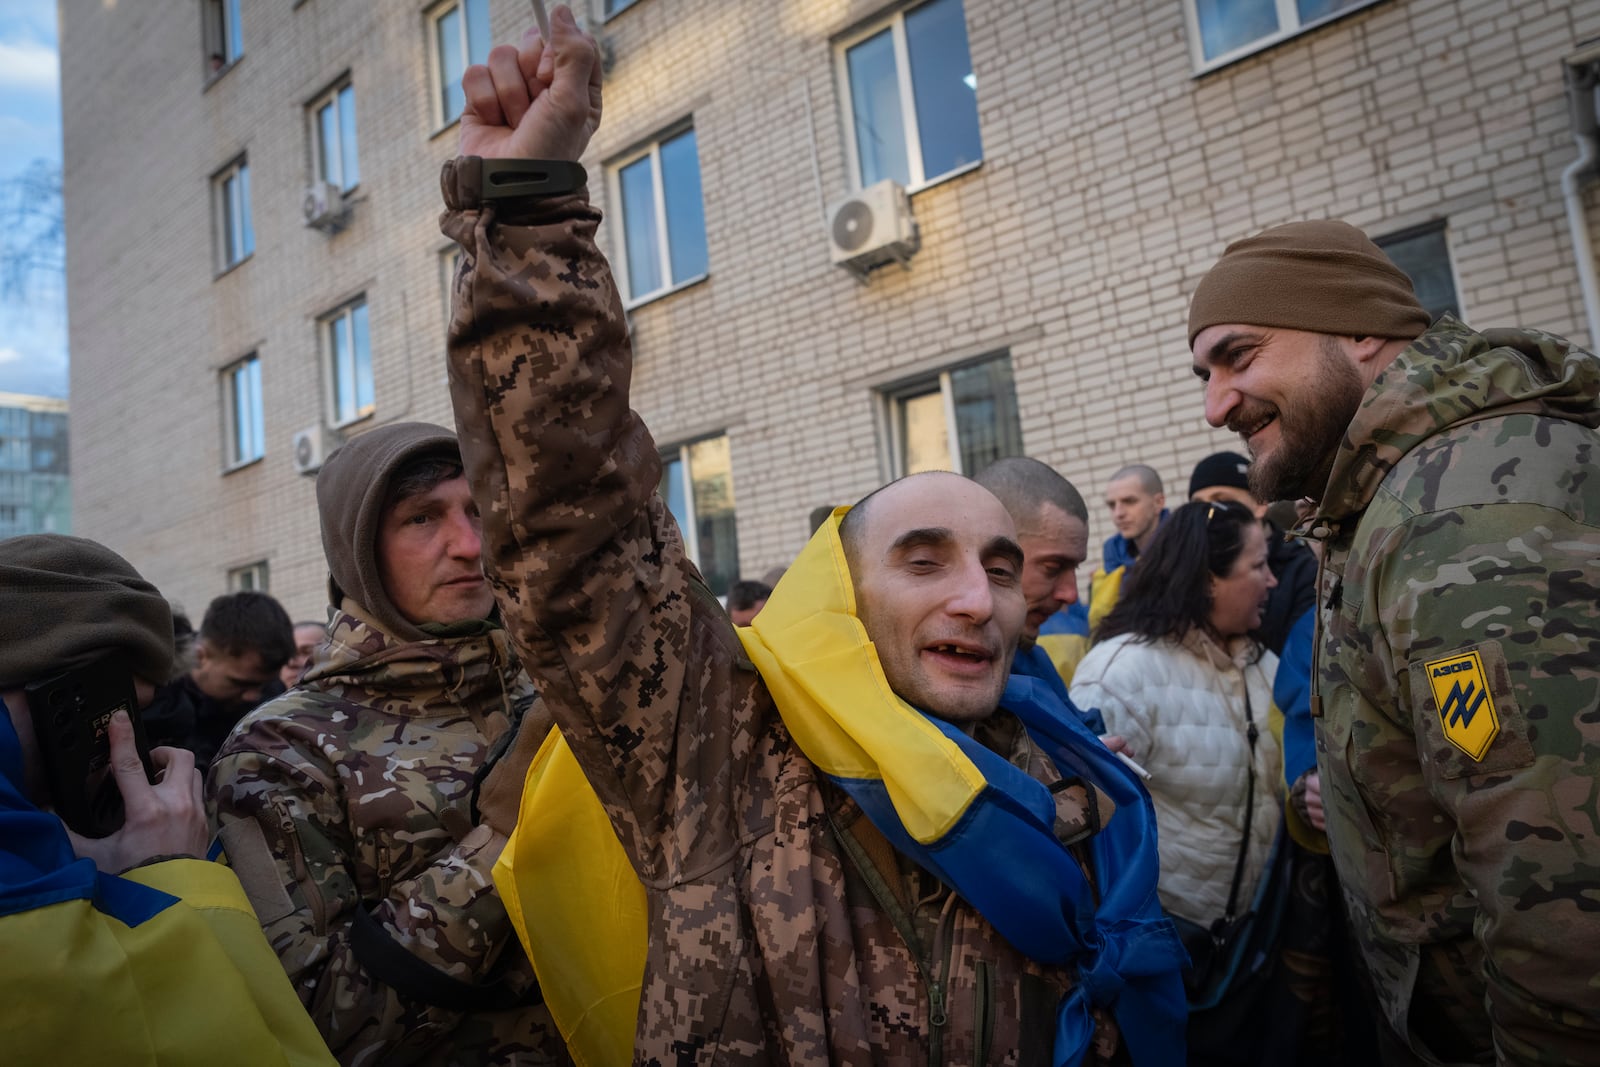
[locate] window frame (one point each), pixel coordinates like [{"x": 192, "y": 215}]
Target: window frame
[
  {"x": 892, "y": 396},
  {"x": 1197, "y": 51},
  {"x": 236, "y": 171},
  {"x": 259, "y": 573},
  {"x": 221, "y": 33},
  {"x": 330, "y": 97},
  {"x": 691, "y": 533},
  {"x": 449, "y": 261},
  {"x": 231, "y": 459},
  {"x": 436, "y": 87},
  {"x": 652, "y": 149},
  {"x": 1440, "y": 226},
  {"x": 330, "y": 371},
  {"x": 895, "y": 21}
]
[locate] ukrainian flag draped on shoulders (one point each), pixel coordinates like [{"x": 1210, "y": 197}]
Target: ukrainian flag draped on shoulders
[
  {"x": 165, "y": 964},
  {"x": 964, "y": 813}
]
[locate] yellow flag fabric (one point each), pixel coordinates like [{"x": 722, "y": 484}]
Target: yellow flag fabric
[
  {"x": 195, "y": 984},
  {"x": 1104, "y": 589},
  {"x": 585, "y": 925},
  {"x": 1066, "y": 651},
  {"x": 826, "y": 679}
]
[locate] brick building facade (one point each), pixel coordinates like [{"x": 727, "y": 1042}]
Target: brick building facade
[{"x": 1069, "y": 186}]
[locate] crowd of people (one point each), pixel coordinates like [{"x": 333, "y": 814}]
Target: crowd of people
[{"x": 533, "y": 794}]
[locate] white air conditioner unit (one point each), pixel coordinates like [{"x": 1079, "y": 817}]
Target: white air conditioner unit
[
  {"x": 311, "y": 446},
  {"x": 323, "y": 207},
  {"x": 873, "y": 227}
]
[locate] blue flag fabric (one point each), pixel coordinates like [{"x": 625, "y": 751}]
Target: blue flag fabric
[{"x": 1125, "y": 951}]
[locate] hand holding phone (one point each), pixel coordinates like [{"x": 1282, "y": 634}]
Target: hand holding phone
[{"x": 167, "y": 818}]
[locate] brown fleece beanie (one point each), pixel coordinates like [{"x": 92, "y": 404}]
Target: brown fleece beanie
[
  {"x": 1322, "y": 277},
  {"x": 351, "y": 489},
  {"x": 68, "y": 602}
]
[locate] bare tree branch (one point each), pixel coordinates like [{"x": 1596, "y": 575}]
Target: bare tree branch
[{"x": 32, "y": 234}]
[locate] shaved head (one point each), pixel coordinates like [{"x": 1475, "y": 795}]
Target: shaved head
[
  {"x": 1023, "y": 484},
  {"x": 1147, "y": 477},
  {"x": 937, "y": 569}
]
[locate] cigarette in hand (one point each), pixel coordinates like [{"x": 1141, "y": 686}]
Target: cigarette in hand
[
  {"x": 1132, "y": 766},
  {"x": 542, "y": 17}
]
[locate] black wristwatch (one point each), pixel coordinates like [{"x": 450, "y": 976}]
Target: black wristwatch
[{"x": 529, "y": 179}]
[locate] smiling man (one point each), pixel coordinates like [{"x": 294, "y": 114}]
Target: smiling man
[
  {"x": 860, "y": 839},
  {"x": 351, "y": 807},
  {"x": 1457, "y": 700}
]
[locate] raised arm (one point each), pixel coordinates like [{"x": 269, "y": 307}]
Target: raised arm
[{"x": 630, "y": 651}]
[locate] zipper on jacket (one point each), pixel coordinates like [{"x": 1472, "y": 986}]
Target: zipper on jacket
[
  {"x": 937, "y": 1017},
  {"x": 385, "y": 866},
  {"x": 983, "y": 1009},
  {"x": 297, "y": 863}
]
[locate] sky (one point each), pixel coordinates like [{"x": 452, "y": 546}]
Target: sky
[{"x": 33, "y": 331}]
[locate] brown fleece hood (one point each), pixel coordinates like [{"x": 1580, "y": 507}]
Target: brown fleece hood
[
  {"x": 351, "y": 488},
  {"x": 70, "y": 601}
]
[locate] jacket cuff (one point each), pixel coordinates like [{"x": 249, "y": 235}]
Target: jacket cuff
[{"x": 461, "y": 182}]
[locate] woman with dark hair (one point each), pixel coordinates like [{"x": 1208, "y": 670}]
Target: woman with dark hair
[{"x": 1174, "y": 671}]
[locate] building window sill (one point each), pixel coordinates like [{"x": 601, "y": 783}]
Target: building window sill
[{"x": 662, "y": 294}]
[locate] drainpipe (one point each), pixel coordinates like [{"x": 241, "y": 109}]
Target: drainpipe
[{"x": 1583, "y": 89}]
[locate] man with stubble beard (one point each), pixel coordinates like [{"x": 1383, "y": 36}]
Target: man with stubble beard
[
  {"x": 859, "y": 838},
  {"x": 1457, "y": 670}
]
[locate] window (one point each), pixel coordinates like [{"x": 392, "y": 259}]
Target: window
[
  {"x": 614, "y": 6},
  {"x": 223, "y": 43},
  {"x": 697, "y": 484},
  {"x": 912, "y": 97},
  {"x": 241, "y": 404},
  {"x": 960, "y": 420},
  {"x": 349, "y": 364},
  {"x": 458, "y": 36},
  {"x": 333, "y": 138},
  {"x": 1225, "y": 30},
  {"x": 449, "y": 264},
  {"x": 1422, "y": 253},
  {"x": 236, "y": 236},
  {"x": 663, "y": 218},
  {"x": 251, "y": 578}
]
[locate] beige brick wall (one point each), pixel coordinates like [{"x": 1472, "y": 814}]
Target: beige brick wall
[{"x": 1112, "y": 177}]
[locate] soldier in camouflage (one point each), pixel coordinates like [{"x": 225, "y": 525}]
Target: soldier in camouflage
[
  {"x": 1457, "y": 673},
  {"x": 784, "y": 927},
  {"x": 355, "y": 808}
]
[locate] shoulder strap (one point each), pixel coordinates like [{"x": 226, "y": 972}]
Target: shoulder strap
[{"x": 1250, "y": 733}]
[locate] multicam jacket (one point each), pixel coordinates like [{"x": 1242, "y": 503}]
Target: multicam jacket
[
  {"x": 783, "y": 928},
  {"x": 343, "y": 808},
  {"x": 1458, "y": 693}
]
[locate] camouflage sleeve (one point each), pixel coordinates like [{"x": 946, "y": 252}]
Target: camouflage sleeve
[
  {"x": 286, "y": 837},
  {"x": 1491, "y": 635},
  {"x": 630, "y": 651}
]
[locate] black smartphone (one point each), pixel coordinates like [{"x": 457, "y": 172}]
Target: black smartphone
[{"x": 71, "y": 722}]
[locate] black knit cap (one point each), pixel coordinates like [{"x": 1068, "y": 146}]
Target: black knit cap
[
  {"x": 70, "y": 601},
  {"x": 1220, "y": 468}
]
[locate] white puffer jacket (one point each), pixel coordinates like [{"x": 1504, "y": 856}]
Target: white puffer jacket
[{"x": 1181, "y": 707}]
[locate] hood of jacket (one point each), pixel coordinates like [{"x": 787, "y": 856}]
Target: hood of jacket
[
  {"x": 366, "y": 664},
  {"x": 351, "y": 490},
  {"x": 1451, "y": 375}
]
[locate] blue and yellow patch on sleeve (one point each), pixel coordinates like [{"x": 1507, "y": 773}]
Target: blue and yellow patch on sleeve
[{"x": 1465, "y": 706}]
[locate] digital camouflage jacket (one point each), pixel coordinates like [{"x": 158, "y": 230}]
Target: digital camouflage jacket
[
  {"x": 783, "y": 928},
  {"x": 1458, "y": 693},
  {"x": 343, "y": 807}
]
